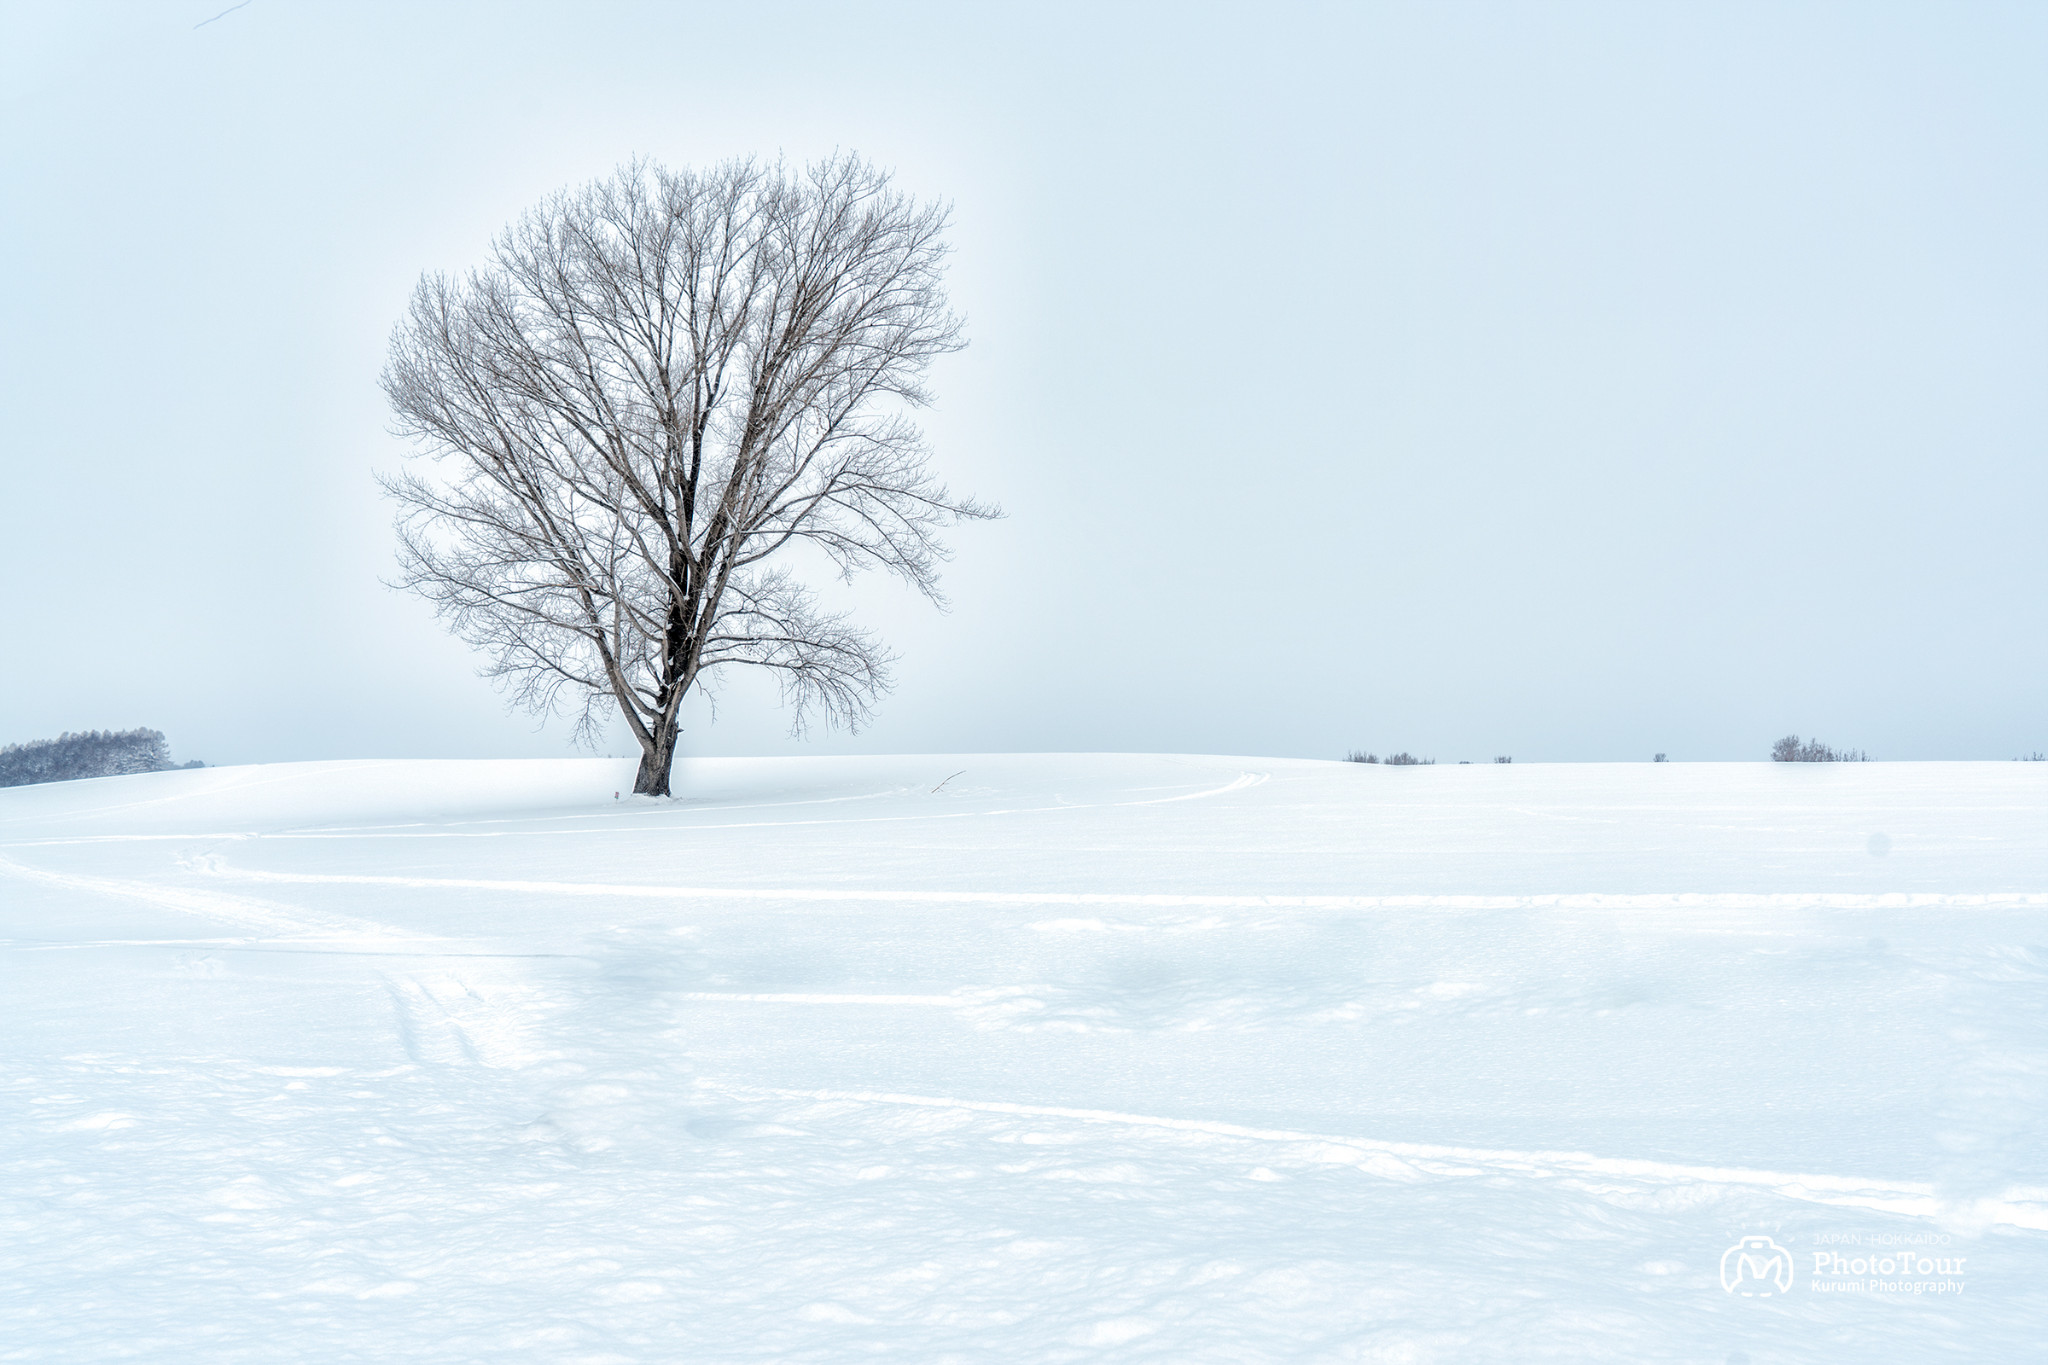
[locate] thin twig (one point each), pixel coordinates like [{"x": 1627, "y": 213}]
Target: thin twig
[
  {"x": 934, "y": 791},
  {"x": 223, "y": 14}
]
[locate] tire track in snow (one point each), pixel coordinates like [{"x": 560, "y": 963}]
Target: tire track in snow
[{"x": 2020, "y": 1207}]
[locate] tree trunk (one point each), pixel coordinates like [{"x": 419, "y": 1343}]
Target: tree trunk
[{"x": 656, "y": 758}]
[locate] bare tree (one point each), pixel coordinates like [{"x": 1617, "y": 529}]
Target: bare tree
[{"x": 660, "y": 386}]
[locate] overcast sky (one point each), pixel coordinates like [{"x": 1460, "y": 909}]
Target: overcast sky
[{"x": 1566, "y": 381}]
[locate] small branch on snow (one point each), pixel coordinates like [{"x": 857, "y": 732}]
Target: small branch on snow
[{"x": 223, "y": 14}]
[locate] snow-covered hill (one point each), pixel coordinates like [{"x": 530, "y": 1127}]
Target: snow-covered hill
[{"x": 1025, "y": 1058}]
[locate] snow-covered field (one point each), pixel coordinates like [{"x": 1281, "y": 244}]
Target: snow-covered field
[{"x": 1025, "y": 1058}]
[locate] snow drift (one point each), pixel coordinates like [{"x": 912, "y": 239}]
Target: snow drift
[{"x": 1098, "y": 1057}]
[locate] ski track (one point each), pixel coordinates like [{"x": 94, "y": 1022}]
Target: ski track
[
  {"x": 2020, "y": 1207},
  {"x": 460, "y": 1014},
  {"x": 1653, "y": 901},
  {"x": 480, "y": 1015},
  {"x": 444, "y": 1019},
  {"x": 265, "y": 917},
  {"x": 450, "y": 1019},
  {"x": 818, "y": 998},
  {"x": 1243, "y": 782}
]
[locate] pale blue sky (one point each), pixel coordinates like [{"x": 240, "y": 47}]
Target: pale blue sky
[{"x": 1570, "y": 381}]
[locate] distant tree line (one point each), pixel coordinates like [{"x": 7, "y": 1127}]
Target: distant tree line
[
  {"x": 1792, "y": 749},
  {"x": 95, "y": 753}
]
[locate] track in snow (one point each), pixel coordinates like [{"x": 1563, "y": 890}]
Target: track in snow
[{"x": 1077, "y": 1063}]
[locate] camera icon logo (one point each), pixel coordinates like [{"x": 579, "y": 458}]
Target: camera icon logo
[{"x": 1756, "y": 1267}]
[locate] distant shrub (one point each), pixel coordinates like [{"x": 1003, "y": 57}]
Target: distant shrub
[
  {"x": 2034, "y": 757},
  {"x": 1361, "y": 756},
  {"x": 1407, "y": 760},
  {"x": 1659, "y": 759},
  {"x": 96, "y": 753},
  {"x": 1504, "y": 758},
  {"x": 1792, "y": 749}
]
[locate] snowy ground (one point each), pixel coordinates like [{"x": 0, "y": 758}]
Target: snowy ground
[{"x": 1090, "y": 1058}]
